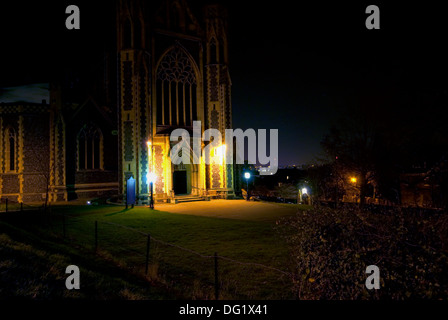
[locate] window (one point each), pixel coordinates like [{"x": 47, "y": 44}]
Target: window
[
  {"x": 90, "y": 146},
  {"x": 176, "y": 89},
  {"x": 11, "y": 149}
]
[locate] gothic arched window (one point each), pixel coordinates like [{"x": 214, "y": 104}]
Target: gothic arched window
[
  {"x": 176, "y": 89},
  {"x": 11, "y": 149},
  {"x": 90, "y": 146}
]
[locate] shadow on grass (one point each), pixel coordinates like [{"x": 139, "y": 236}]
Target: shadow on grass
[
  {"x": 128, "y": 209},
  {"x": 118, "y": 212}
]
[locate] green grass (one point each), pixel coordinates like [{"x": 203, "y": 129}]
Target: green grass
[
  {"x": 31, "y": 267},
  {"x": 184, "y": 273}
]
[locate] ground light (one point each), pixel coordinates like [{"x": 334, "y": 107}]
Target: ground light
[
  {"x": 151, "y": 178},
  {"x": 247, "y": 177}
]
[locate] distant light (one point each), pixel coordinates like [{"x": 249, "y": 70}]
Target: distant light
[
  {"x": 89, "y": 203},
  {"x": 287, "y": 177},
  {"x": 247, "y": 175},
  {"x": 151, "y": 177},
  {"x": 353, "y": 179},
  {"x": 304, "y": 191}
]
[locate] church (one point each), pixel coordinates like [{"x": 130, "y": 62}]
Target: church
[{"x": 166, "y": 67}]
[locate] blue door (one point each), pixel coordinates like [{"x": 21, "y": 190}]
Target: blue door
[{"x": 130, "y": 191}]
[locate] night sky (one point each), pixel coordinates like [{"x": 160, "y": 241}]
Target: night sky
[{"x": 296, "y": 67}]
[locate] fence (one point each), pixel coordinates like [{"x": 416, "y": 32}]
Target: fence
[
  {"x": 187, "y": 272},
  {"x": 8, "y": 205}
]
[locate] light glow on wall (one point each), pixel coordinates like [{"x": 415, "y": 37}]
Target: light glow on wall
[{"x": 151, "y": 177}]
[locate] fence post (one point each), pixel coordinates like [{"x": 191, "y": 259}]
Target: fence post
[
  {"x": 96, "y": 236},
  {"x": 216, "y": 278},
  {"x": 148, "y": 243},
  {"x": 21, "y": 206},
  {"x": 6, "y": 203}
]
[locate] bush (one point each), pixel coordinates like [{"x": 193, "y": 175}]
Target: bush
[{"x": 331, "y": 248}]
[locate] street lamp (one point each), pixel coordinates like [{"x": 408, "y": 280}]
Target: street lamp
[
  {"x": 247, "y": 177},
  {"x": 151, "y": 177},
  {"x": 305, "y": 196}
]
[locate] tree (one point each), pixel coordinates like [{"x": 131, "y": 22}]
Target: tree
[
  {"x": 326, "y": 182},
  {"x": 286, "y": 191},
  {"x": 353, "y": 147}
]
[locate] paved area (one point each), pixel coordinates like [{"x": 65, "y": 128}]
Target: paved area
[{"x": 231, "y": 209}]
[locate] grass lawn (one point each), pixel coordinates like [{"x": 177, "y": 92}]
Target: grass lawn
[
  {"x": 183, "y": 272},
  {"x": 31, "y": 267}
]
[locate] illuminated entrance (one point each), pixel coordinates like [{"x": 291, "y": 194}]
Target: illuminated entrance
[
  {"x": 185, "y": 179},
  {"x": 180, "y": 182}
]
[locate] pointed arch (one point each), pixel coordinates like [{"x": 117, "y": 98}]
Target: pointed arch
[
  {"x": 177, "y": 78},
  {"x": 89, "y": 148},
  {"x": 180, "y": 51}
]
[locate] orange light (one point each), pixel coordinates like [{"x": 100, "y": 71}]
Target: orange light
[
  {"x": 219, "y": 154},
  {"x": 353, "y": 179},
  {"x": 148, "y": 143}
]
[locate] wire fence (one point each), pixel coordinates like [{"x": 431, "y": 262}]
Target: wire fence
[
  {"x": 190, "y": 273},
  {"x": 8, "y": 205}
]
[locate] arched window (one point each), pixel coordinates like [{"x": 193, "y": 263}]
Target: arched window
[
  {"x": 11, "y": 150},
  {"x": 176, "y": 89},
  {"x": 90, "y": 146}
]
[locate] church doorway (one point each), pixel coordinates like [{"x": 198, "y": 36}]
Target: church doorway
[
  {"x": 180, "y": 182},
  {"x": 185, "y": 179}
]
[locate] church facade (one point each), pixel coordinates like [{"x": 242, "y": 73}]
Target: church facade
[
  {"x": 167, "y": 68},
  {"x": 173, "y": 71}
]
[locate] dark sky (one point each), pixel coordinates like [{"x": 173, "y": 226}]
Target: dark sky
[{"x": 295, "y": 66}]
